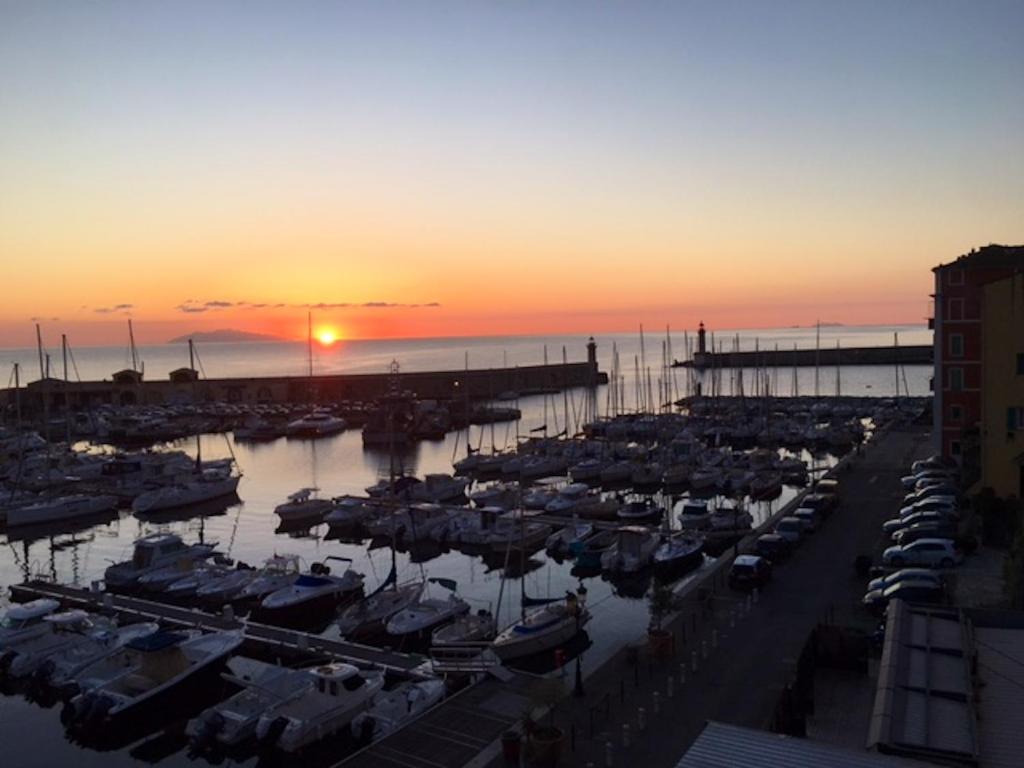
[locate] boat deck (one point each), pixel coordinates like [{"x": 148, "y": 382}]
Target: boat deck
[{"x": 262, "y": 634}]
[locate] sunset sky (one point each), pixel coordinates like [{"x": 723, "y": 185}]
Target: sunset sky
[{"x": 448, "y": 168}]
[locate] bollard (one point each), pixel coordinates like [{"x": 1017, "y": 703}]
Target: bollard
[
  {"x": 670, "y": 684},
  {"x": 625, "y": 735},
  {"x": 714, "y": 638},
  {"x": 656, "y": 705},
  {"x": 641, "y": 719},
  {"x": 229, "y": 612},
  {"x": 693, "y": 658},
  {"x": 704, "y": 649},
  {"x": 608, "y": 754}
]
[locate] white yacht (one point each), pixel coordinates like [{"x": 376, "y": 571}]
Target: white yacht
[
  {"x": 203, "y": 486},
  {"x": 390, "y": 710},
  {"x": 228, "y": 587},
  {"x": 145, "y": 672},
  {"x": 349, "y": 511},
  {"x": 310, "y": 594},
  {"x": 61, "y": 508},
  {"x": 234, "y": 720},
  {"x": 278, "y": 572},
  {"x": 25, "y": 622},
  {"x": 74, "y": 635},
  {"x": 439, "y": 488},
  {"x": 420, "y": 618},
  {"x": 632, "y": 551},
  {"x": 543, "y": 628},
  {"x": 316, "y": 424},
  {"x": 303, "y": 505},
  {"x": 339, "y": 693},
  {"x": 369, "y": 617},
  {"x": 152, "y": 552}
]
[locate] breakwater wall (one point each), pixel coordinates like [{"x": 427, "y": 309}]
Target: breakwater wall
[
  {"x": 911, "y": 355},
  {"x": 183, "y": 387}
]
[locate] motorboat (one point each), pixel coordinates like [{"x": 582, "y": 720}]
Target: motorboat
[
  {"x": 587, "y": 470},
  {"x": 316, "y": 424},
  {"x": 617, "y": 472},
  {"x": 503, "y": 495},
  {"x": 151, "y": 553},
  {"x": 645, "y": 511},
  {"x": 632, "y": 551},
  {"x": 438, "y": 488},
  {"x": 369, "y": 617},
  {"x": 348, "y": 511},
  {"x": 539, "y": 498},
  {"x": 766, "y": 486},
  {"x": 70, "y": 507},
  {"x": 162, "y": 578},
  {"x": 647, "y": 475},
  {"x": 468, "y": 628},
  {"x": 61, "y": 668},
  {"x": 309, "y": 595},
  {"x": 228, "y": 587},
  {"x": 201, "y": 576},
  {"x": 72, "y": 634},
  {"x": 204, "y": 486},
  {"x": 263, "y": 687},
  {"x": 695, "y": 515},
  {"x": 146, "y": 672},
  {"x": 678, "y": 554},
  {"x": 589, "y": 551},
  {"x": 543, "y": 628},
  {"x": 256, "y": 430},
  {"x": 594, "y": 507},
  {"x": 339, "y": 692},
  {"x": 25, "y": 622},
  {"x": 390, "y": 710},
  {"x": 420, "y": 618},
  {"x": 676, "y": 475},
  {"x": 303, "y": 505},
  {"x": 730, "y": 518},
  {"x": 278, "y": 572},
  {"x": 415, "y": 523},
  {"x": 564, "y": 539}
]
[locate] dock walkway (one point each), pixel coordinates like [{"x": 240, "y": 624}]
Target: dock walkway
[
  {"x": 285, "y": 639},
  {"x": 745, "y": 653}
]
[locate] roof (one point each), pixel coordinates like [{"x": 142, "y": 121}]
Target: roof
[
  {"x": 1000, "y": 655},
  {"x": 730, "y": 746},
  {"x": 991, "y": 256}
]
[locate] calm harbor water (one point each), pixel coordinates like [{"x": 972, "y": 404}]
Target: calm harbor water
[{"x": 247, "y": 529}]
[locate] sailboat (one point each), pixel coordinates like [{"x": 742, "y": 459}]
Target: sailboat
[
  {"x": 318, "y": 422},
  {"x": 420, "y": 618}
]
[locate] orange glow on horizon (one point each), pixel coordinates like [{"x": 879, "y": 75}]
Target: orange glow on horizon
[{"x": 327, "y": 336}]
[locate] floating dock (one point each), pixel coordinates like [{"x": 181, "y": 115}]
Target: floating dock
[{"x": 765, "y": 358}]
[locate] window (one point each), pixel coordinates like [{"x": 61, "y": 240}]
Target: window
[
  {"x": 956, "y": 277},
  {"x": 956, "y": 379},
  {"x": 956, "y": 345},
  {"x": 1020, "y": 363},
  {"x": 956, "y": 413},
  {"x": 956, "y": 309},
  {"x": 1015, "y": 418}
]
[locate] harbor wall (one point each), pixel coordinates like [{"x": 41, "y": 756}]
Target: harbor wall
[
  {"x": 440, "y": 385},
  {"x": 910, "y": 355}
]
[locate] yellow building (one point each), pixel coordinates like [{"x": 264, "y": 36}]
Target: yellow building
[{"x": 1002, "y": 396}]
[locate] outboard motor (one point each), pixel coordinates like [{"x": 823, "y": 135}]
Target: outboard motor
[{"x": 274, "y": 731}]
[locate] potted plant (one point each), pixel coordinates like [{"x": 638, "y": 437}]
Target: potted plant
[
  {"x": 544, "y": 739},
  {"x": 659, "y": 638}
]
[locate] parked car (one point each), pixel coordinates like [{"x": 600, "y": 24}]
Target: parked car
[
  {"x": 932, "y": 482},
  {"x": 811, "y": 518},
  {"x": 925, "y": 531},
  {"x": 931, "y": 492},
  {"x": 749, "y": 571},
  {"x": 828, "y": 486},
  {"x": 936, "y": 502},
  {"x": 946, "y": 463},
  {"x": 928, "y": 552},
  {"x": 773, "y": 547},
  {"x": 928, "y": 516},
  {"x": 904, "y": 574},
  {"x": 823, "y": 503},
  {"x": 791, "y": 528},
  {"x": 911, "y": 591}
]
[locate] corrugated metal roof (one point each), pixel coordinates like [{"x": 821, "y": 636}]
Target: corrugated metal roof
[
  {"x": 730, "y": 746},
  {"x": 1000, "y": 696}
]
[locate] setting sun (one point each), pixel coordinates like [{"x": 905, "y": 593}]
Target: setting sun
[{"x": 327, "y": 336}]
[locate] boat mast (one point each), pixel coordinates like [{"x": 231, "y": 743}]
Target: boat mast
[
  {"x": 43, "y": 374},
  {"x": 838, "y": 370},
  {"x": 67, "y": 404},
  {"x": 131, "y": 346},
  {"x": 817, "y": 350},
  {"x": 17, "y": 396}
]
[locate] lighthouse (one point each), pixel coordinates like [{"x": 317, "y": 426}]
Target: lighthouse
[{"x": 701, "y": 339}]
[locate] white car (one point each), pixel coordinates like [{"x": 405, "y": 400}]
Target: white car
[
  {"x": 792, "y": 529},
  {"x": 930, "y": 505},
  {"x": 927, "y": 552}
]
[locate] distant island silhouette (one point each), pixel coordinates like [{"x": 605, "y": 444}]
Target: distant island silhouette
[{"x": 225, "y": 334}]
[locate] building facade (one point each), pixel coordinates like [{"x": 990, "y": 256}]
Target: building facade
[
  {"x": 959, "y": 380},
  {"x": 1002, "y": 402}
]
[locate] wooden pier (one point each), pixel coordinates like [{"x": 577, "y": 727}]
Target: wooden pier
[{"x": 286, "y": 641}]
